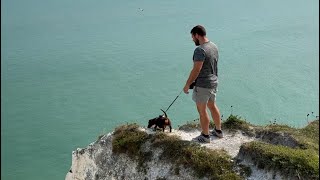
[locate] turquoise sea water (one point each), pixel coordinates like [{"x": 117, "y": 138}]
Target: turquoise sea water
[{"x": 71, "y": 70}]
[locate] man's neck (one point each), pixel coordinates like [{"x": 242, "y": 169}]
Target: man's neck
[{"x": 203, "y": 40}]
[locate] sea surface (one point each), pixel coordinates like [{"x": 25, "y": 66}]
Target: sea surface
[{"x": 72, "y": 70}]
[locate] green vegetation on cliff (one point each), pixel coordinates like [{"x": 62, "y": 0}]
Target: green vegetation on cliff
[
  {"x": 290, "y": 151},
  {"x": 215, "y": 164}
]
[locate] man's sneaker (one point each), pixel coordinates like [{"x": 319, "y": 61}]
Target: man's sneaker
[
  {"x": 217, "y": 133},
  {"x": 201, "y": 139}
]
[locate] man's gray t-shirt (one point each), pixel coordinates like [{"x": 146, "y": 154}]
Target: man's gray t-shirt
[{"x": 208, "y": 76}]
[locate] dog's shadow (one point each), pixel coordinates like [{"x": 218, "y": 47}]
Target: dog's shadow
[{"x": 152, "y": 130}]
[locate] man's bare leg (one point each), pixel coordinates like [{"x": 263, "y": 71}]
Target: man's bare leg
[
  {"x": 204, "y": 118},
  {"x": 215, "y": 113}
]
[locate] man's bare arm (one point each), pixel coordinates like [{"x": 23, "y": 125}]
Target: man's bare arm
[{"x": 197, "y": 65}]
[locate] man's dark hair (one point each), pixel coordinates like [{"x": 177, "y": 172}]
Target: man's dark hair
[{"x": 200, "y": 30}]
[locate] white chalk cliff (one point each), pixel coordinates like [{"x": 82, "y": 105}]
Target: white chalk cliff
[{"x": 98, "y": 162}]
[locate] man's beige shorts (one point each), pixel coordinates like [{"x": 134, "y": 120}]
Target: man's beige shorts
[{"x": 203, "y": 95}]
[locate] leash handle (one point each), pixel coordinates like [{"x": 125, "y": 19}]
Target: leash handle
[{"x": 174, "y": 100}]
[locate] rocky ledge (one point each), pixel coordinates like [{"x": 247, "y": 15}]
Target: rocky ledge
[{"x": 246, "y": 152}]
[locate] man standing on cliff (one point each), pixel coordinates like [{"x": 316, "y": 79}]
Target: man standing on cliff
[{"x": 204, "y": 77}]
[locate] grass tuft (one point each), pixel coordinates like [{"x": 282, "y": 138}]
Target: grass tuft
[
  {"x": 234, "y": 122},
  {"x": 128, "y": 139},
  {"x": 288, "y": 161}
]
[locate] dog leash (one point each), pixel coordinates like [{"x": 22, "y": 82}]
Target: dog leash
[{"x": 174, "y": 100}]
